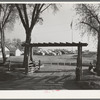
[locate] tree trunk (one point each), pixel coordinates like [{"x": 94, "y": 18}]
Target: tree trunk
[
  {"x": 31, "y": 54},
  {"x": 3, "y": 46},
  {"x": 98, "y": 56},
  {"x": 27, "y": 52}
]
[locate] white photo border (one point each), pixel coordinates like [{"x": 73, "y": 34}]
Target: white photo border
[{"x": 41, "y": 94}]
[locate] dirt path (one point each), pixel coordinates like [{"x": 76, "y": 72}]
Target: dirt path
[{"x": 48, "y": 78}]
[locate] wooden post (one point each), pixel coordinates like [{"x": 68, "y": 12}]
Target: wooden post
[
  {"x": 9, "y": 66},
  {"x": 39, "y": 64},
  {"x": 79, "y": 64}
]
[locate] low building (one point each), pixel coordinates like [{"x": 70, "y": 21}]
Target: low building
[
  {"x": 11, "y": 51},
  {"x": 18, "y": 52},
  {"x": 7, "y": 52}
]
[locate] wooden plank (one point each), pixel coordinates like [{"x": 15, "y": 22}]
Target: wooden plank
[{"x": 55, "y": 44}]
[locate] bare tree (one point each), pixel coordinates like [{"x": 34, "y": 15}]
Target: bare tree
[
  {"x": 30, "y": 14},
  {"x": 7, "y": 19},
  {"x": 89, "y": 21}
]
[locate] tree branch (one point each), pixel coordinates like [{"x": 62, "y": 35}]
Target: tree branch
[
  {"x": 0, "y": 27},
  {"x": 25, "y": 14},
  {"x": 94, "y": 16},
  {"x": 5, "y": 13},
  {"x": 97, "y": 19},
  {"x": 21, "y": 16},
  {"x": 41, "y": 7},
  {"x": 90, "y": 26},
  {"x": 33, "y": 16},
  {"x": 36, "y": 12},
  {"x": 46, "y": 8},
  {"x": 6, "y": 18}
]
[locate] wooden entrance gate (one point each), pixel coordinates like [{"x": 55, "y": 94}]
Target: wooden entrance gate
[{"x": 79, "y": 57}]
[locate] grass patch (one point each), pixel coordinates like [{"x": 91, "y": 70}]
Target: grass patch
[{"x": 68, "y": 59}]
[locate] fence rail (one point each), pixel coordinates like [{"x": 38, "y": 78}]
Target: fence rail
[
  {"x": 64, "y": 64},
  {"x": 53, "y": 63}
]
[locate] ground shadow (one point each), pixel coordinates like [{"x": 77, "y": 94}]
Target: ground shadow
[{"x": 71, "y": 85}]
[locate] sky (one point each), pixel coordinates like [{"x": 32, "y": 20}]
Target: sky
[{"x": 55, "y": 28}]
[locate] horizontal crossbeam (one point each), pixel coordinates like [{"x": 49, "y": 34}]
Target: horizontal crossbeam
[{"x": 54, "y": 44}]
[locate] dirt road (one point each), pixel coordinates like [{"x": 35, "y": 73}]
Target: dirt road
[{"x": 48, "y": 78}]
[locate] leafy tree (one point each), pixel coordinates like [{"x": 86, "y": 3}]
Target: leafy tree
[
  {"x": 30, "y": 15},
  {"x": 8, "y": 42},
  {"x": 89, "y": 22},
  {"x": 7, "y": 19},
  {"x": 16, "y": 42}
]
